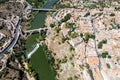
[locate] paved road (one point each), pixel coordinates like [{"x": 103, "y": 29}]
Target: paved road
[{"x": 14, "y": 40}]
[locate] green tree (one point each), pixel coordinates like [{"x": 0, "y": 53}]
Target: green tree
[
  {"x": 73, "y": 34},
  {"x": 66, "y": 18},
  {"x": 87, "y": 36},
  {"x": 93, "y": 6},
  {"x": 70, "y": 78},
  {"x": 87, "y": 14},
  {"x": 104, "y": 54},
  {"x": 1, "y": 27},
  {"x": 52, "y": 25},
  {"x": 108, "y": 65},
  {"x": 69, "y": 25},
  {"x": 100, "y": 44},
  {"x": 57, "y": 29},
  {"x": 81, "y": 35},
  {"x": 112, "y": 14},
  {"x": 71, "y": 48}
]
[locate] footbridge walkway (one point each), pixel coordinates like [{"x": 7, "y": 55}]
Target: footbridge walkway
[
  {"x": 33, "y": 30},
  {"x": 43, "y": 9}
]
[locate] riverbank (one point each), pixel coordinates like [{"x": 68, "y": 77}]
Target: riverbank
[{"x": 39, "y": 60}]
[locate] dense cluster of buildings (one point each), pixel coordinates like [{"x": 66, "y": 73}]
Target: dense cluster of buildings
[{"x": 99, "y": 54}]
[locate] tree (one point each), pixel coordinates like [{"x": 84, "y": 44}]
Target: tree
[
  {"x": 104, "y": 41},
  {"x": 109, "y": 56},
  {"x": 52, "y": 25},
  {"x": 118, "y": 26},
  {"x": 100, "y": 44},
  {"x": 104, "y": 54},
  {"x": 69, "y": 25},
  {"x": 70, "y": 78},
  {"x": 91, "y": 74},
  {"x": 3, "y": 1},
  {"x": 93, "y": 6},
  {"x": 66, "y": 18},
  {"x": 112, "y": 14},
  {"x": 87, "y": 36},
  {"x": 73, "y": 34},
  {"x": 87, "y": 14},
  {"x": 63, "y": 39},
  {"x": 108, "y": 65},
  {"x": 81, "y": 35},
  {"x": 64, "y": 60},
  {"x": 117, "y": 8},
  {"x": 57, "y": 29},
  {"x": 71, "y": 48},
  {"x": 1, "y": 27}
]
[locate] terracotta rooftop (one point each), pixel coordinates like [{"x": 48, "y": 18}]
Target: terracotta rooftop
[{"x": 93, "y": 60}]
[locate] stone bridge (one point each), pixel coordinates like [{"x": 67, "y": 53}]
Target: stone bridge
[
  {"x": 35, "y": 30},
  {"x": 43, "y": 9}
]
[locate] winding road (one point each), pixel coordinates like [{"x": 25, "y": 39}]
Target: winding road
[{"x": 14, "y": 40}]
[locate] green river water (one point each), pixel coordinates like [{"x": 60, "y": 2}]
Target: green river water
[{"x": 39, "y": 60}]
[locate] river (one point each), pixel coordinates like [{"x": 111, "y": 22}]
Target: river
[{"x": 39, "y": 60}]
